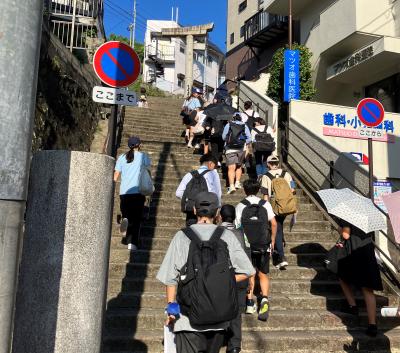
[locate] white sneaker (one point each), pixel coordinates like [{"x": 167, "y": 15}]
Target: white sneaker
[
  {"x": 282, "y": 265},
  {"x": 132, "y": 247},
  {"x": 238, "y": 185},
  {"x": 231, "y": 190},
  {"x": 251, "y": 307},
  {"x": 123, "y": 227},
  {"x": 197, "y": 146}
]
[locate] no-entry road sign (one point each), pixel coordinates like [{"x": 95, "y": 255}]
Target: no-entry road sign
[
  {"x": 116, "y": 64},
  {"x": 371, "y": 112}
]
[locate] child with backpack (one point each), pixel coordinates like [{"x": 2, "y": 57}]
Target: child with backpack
[
  {"x": 277, "y": 187},
  {"x": 200, "y": 270},
  {"x": 249, "y": 115},
  {"x": 234, "y": 334},
  {"x": 263, "y": 144},
  {"x": 257, "y": 219},
  {"x": 205, "y": 178},
  {"x": 237, "y": 136}
]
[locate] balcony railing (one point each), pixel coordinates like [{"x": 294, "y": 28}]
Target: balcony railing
[
  {"x": 264, "y": 27},
  {"x": 161, "y": 52}
]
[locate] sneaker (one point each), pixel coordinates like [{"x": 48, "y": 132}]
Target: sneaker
[
  {"x": 251, "y": 306},
  {"x": 238, "y": 185},
  {"x": 189, "y": 145},
  {"x": 132, "y": 247},
  {"x": 264, "y": 310},
  {"x": 123, "y": 227},
  {"x": 282, "y": 265},
  {"x": 197, "y": 146},
  {"x": 372, "y": 330},
  {"x": 231, "y": 190}
]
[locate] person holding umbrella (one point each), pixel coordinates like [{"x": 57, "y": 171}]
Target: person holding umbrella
[{"x": 358, "y": 266}]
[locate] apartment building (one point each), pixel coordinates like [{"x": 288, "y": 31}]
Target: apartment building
[
  {"x": 164, "y": 63},
  {"x": 355, "y": 46},
  {"x": 253, "y": 35}
]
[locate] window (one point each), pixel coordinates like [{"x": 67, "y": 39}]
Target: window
[
  {"x": 232, "y": 38},
  {"x": 200, "y": 57},
  {"x": 209, "y": 60},
  {"x": 242, "y": 31},
  {"x": 242, "y": 6},
  {"x": 195, "y": 56},
  {"x": 182, "y": 49},
  {"x": 180, "y": 83}
]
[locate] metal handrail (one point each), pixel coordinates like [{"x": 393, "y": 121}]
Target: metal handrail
[{"x": 332, "y": 182}]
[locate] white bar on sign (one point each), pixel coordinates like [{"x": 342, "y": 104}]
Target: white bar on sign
[{"x": 108, "y": 95}]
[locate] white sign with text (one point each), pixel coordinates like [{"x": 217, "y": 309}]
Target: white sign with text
[{"x": 110, "y": 95}]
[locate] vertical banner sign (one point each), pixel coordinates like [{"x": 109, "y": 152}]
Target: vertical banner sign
[{"x": 292, "y": 75}]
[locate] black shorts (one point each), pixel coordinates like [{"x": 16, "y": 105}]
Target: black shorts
[
  {"x": 260, "y": 260},
  {"x": 207, "y": 136}
]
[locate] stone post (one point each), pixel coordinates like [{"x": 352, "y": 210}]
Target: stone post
[
  {"x": 63, "y": 273},
  {"x": 189, "y": 64}
]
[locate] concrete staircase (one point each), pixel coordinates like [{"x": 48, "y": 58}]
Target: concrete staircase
[{"x": 304, "y": 299}]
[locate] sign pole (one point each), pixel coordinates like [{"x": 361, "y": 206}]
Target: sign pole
[
  {"x": 290, "y": 24},
  {"x": 112, "y": 130},
  {"x": 371, "y": 169}
]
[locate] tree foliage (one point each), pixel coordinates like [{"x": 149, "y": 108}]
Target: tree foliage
[
  {"x": 276, "y": 82},
  {"x": 139, "y": 47}
]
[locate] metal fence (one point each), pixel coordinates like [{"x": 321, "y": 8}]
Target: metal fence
[{"x": 76, "y": 22}]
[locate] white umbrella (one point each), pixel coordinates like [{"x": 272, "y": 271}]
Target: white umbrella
[{"x": 353, "y": 208}]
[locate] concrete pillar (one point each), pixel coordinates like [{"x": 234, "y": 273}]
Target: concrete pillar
[
  {"x": 189, "y": 64},
  {"x": 62, "y": 284},
  {"x": 20, "y": 31}
]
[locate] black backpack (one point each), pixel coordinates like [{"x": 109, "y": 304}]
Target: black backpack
[
  {"x": 196, "y": 185},
  {"x": 207, "y": 291},
  {"x": 255, "y": 224},
  {"x": 236, "y": 136},
  {"x": 251, "y": 120},
  {"x": 264, "y": 142}
]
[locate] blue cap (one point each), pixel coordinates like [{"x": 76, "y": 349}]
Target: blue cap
[{"x": 134, "y": 141}]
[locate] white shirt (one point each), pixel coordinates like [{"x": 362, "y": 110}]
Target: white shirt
[
  {"x": 247, "y": 113},
  {"x": 253, "y": 200},
  {"x": 212, "y": 179}
]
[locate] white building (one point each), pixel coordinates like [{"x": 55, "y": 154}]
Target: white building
[
  {"x": 355, "y": 46},
  {"x": 164, "y": 61}
]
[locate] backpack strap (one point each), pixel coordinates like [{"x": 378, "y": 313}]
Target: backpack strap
[
  {"x": 262, "y": 203},
  {"x": 205, "y": 172},
  {"x": 194, "y": 173},
  {"x": 265, "y": 128},
  {"x": 217, "y": 234},
  {"x": 283, "y": 174},
  {"x": 191, "y": 234},
  {"x": 245, "y": 202},
  {"x": 270, "y": 176},
  {"x": 255, "y": 129}
]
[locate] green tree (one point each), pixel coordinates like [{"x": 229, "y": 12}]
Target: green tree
[
  {"x": 139, "y": 47},
  {"x": 276, "y": 82}
]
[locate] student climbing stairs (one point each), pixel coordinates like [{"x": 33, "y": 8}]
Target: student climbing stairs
[{"x": 305, "y": 299}]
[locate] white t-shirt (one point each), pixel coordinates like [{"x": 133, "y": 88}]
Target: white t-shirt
[
  {"x": 247, "y": 113},
  {"x": 253, "y": 200}
]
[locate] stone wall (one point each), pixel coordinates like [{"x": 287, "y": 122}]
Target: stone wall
[{"x": 66, "y": 117}]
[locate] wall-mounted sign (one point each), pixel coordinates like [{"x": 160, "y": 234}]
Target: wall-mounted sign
[
  {"x": 292, "y": 75},
  {"x": 355, "y": 59},
  {"x": 341, "y": 125},
  {"x": 381, "y": 189}
]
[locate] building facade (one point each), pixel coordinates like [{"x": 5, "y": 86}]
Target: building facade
[
  {"x": 355, "y": 46},
  {"x": 164, "y": 61},
  {"x": 253, "y": 35}
]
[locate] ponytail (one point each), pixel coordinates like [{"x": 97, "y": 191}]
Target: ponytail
[{"x": 130, "y": 155}]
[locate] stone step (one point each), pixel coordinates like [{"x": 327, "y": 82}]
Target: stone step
[
  {"x": 278, "y": 301},
  {"x": 299, "y": 232},
  {"x": 278, "y": 320},
  {"x": 141, "y": 270},
  {"x": 156, "y": 257},
  {"x": 151, "y": 285},
  {"x": 279, "y": 341}
]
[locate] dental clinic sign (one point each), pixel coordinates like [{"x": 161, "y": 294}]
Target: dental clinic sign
[{"x": 341, "y": 124}]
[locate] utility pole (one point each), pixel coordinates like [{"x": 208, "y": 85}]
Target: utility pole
[
  {"x": 132, "y": 27},
  {"x": 20, "y": 33},
  {"x": 290, "y": 24}
]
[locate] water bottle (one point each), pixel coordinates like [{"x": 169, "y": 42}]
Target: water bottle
[{"x": 390, "y": 312}]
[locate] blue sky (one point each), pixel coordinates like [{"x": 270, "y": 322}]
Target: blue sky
[{"x": 117, "y": 15}]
